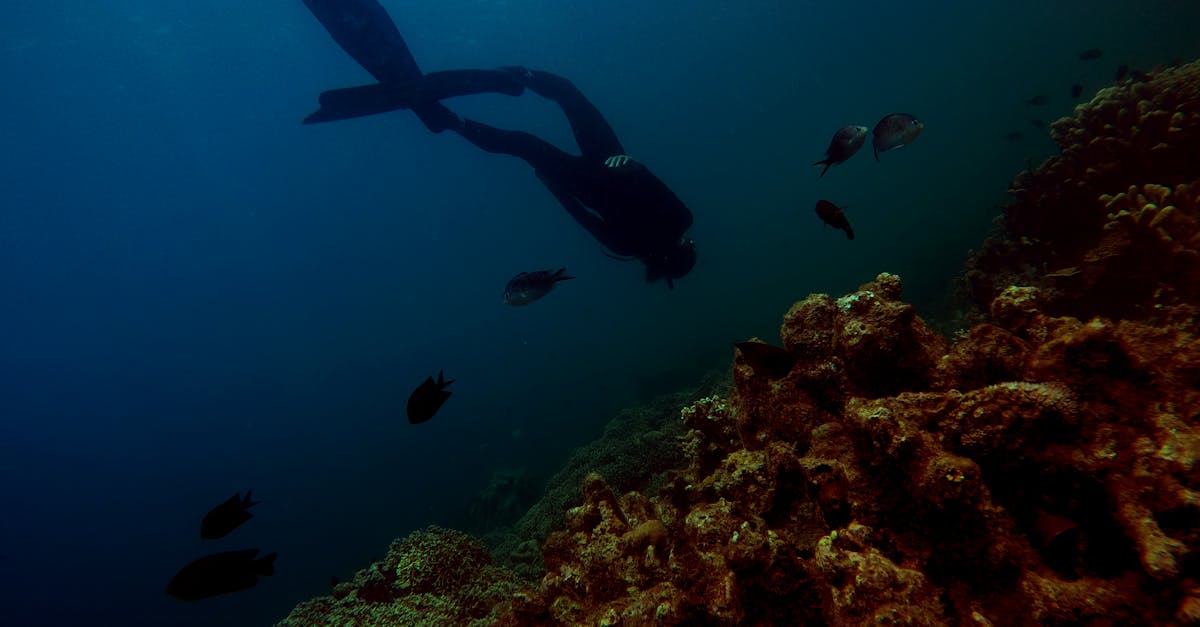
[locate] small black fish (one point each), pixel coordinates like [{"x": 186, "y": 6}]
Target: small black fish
[
  {"x": 1091, "y": 54},
  {"x": 1013, "y": 136},
  {"x": 425, "y": 401},
  {"x": 220, "y": 573},
  {"x": 227, "y": 516},
  {"x": 1122, "y": 72},
  {"x": 1076, "y": 90},
  {"x": 846, "y": 141},
  {"x": 1139, "y": 76},
  {"x": 1038, "y": 100},
  {"x": 833, "y": 215},
  {"x": 1037, "y": 123},
  {"x": 766, "y": 360},
  {"x": 527, "y": 287},
  {"x": 895, "y": 130}
]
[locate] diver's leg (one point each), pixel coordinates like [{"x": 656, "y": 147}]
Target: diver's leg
[
  {"x": 543, "y": 156},
  {"x": 366, "y": 32},
  {"x": 595, "y": 137}
]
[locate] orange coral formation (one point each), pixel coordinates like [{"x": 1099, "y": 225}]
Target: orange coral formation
[
  {"x": 1110, "y": 227},
  {"x": 1042, "y": 470}
]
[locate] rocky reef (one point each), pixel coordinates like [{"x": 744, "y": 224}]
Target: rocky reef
[
  {"x": 1043, "y": 470},
  {"x": 434, "y": 576},
  {"x": 1111, "y": 226}
]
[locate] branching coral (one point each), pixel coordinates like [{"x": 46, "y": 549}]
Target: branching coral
[{"x": 1110, "y": 227}]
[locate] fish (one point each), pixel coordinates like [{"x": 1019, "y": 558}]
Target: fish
[
  {"x": 1013, "y": 136},
  {"x": 1037, "y": 123},
  {"x": 1139, "y": 76},
  {"x": 895, "y": 130},
  {"x": 1038, "y": 100},
  {"x": 220, "y": 573},
  {"x": 425, "y": 401},
  {"x": 227, "y": 516},
  {"x": 1091, "y": 54},
  {"x": 846, "y": 141},
  {"x": 766, "y": 360},
  {"x": 527, "y": 287},
  {"x": 1076, "y": 90},
  {"x": 833, "y": 215},
  {"x": 1122, "y": 72}
]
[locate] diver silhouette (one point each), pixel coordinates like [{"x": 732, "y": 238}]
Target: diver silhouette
[{"x": 618, "y": 200}]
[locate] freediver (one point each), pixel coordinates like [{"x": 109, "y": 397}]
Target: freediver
[{"x": 632, "y": 213}]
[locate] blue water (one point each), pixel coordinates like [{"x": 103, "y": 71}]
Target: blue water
[{"x": 200, "y": 295}]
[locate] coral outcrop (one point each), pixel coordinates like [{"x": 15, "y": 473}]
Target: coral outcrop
[
  {"x": 1110, "y": 227},
  {"x": 433, "y": 577},
  {"x": 1043, "y": 470}
]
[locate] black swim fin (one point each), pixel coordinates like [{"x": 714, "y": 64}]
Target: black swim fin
[
  {"x": 366, "y": 32},
  {"x": 355, "y": 102}
]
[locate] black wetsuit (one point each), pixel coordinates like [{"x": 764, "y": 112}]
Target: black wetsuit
[{"x": 628, "y": 209}]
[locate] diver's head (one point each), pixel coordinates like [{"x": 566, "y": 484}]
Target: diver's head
[{"x": 671, "y": 263}]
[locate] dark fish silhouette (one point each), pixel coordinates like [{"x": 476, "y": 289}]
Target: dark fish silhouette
[
  {"x": 527, "y": 287},
  {"x": 1076, "y": 90},
  {"x": 766, "y": 360},
  {"x": 1037, "y": 123},
  {"x": 1038, "y": 100},
  {"x": 895, "y": 130},
  {"x": 1122, "y": 72},
  {"x": 220, "y": 573},
  {"x": 832, "y": 215},
  {"x": 846, "y": 141},
  {"x": 227, "y": 516},
  {"x": 1139, "y": 76},
  {"x": 427, "y": 399},
  {"x": 1013, "y": 136},
  {"x": 1091, "y": 54}
]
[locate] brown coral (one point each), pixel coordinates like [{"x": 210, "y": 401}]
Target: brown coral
[
  {"x": 1110, "y": 227},
  {"x": 1043, "y": 470}
]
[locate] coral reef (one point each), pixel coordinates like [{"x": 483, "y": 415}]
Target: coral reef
[
  {"x": 636, "y": 447},
  {"x": 1043, "y": 470},
  {"x": 509, "y": 494},
  {"x": 1111, "y": 227},
  {"x": 433, "y": 577}
]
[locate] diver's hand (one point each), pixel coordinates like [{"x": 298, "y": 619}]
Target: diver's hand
[{"x": 617, "y": 161}]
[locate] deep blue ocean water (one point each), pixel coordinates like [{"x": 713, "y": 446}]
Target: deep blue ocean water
[{"x": 198, "y": 295}]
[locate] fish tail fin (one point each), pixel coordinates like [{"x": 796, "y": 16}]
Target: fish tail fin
[
  {"x": 562, "y": 275},
  {"x": 826, "y": 163},
  {"x": 246, "y": 500},
  {"x": 849, "y": 232},
  {"x": 442, "y": 382},
  {"x": 265, "y": 565}
]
